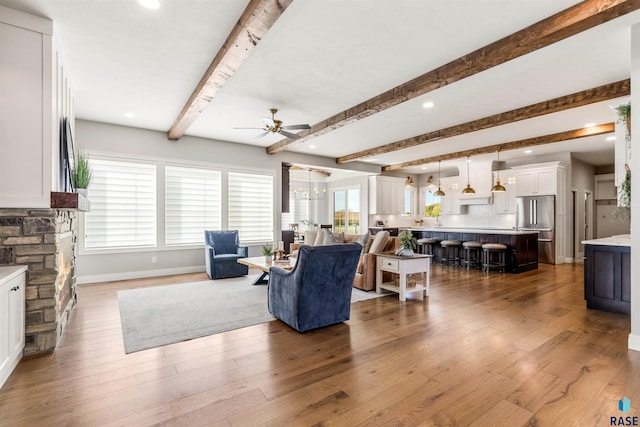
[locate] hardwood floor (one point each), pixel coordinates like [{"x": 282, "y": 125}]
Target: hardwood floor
[{"x": 482, "y": 350}]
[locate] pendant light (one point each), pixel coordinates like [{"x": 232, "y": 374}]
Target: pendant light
[
  {"x": 468, "y": 190},
  {"x": 439, "y": 192},
  {"x": 498, "y": 188}
]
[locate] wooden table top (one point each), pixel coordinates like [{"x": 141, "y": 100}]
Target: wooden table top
[{"x": 260, "y": 263}]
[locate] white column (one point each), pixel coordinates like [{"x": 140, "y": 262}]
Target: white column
[{"x": 634, "y": 336}]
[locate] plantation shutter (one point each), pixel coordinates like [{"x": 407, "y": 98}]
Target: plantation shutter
[{"x": 250, "y": 206}]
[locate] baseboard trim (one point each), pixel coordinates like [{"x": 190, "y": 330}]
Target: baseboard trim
[
  {"x": 97, "y": 278},
  {"x": 634, "y": 342}
]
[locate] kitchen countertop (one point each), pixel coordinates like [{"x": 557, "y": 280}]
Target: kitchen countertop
[
  {"x": 506, "y": 231},
  {"x": 620, "y": 240}
]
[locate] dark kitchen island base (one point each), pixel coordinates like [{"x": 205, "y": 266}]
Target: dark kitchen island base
[
  {"x": 607, "y": 278},
  {"x": 522, "y": 246}
]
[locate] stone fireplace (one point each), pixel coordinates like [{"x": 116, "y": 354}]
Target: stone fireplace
[{"x": 44, "y": 240}]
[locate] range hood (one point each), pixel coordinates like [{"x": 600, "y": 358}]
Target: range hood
[
  {"x": 480, "y": 175},
  {"x": 483, "y": 198}
]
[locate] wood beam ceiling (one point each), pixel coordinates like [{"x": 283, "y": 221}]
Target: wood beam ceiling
[
  {"x": 571, "y": 21},
  {"x": 256, "y": 20},
  {"x": 513, "y": 145},
  {"x": 578, "y": 99}
]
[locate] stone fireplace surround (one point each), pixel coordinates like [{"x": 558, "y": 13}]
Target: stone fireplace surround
[{"x": 45, "y": 241}]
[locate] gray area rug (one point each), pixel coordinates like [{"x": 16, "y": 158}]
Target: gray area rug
[{"x": 163, "y": 315}]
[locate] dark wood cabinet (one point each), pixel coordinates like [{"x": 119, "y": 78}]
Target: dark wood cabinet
[
  {"x": 607, "y": 278},
  {"x": 522, "y": 248}
]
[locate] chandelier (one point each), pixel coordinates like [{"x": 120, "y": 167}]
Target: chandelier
[{"x": 310, "y": 193}]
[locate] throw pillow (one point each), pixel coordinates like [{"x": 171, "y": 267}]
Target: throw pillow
[
  {"x": 367, "y": 245},
  {"x": 310, "y": 237},
  {"x": 363, "y": 241},
  {"x": 379, "y": 242},
  {"x": 319, "y": 237},
  {"x": 331, "y": 238}
]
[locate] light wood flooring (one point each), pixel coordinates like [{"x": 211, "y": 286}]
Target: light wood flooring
[{"x": 482, "y": 350}]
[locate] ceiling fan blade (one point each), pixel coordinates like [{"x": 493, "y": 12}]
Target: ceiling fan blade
[
  {"x": 261, "y": 135},
  {"x": 289, "y": 134},
  {"x": 296, "y": 127}
]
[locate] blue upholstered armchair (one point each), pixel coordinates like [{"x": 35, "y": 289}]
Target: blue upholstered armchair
[
  {"x": 317, "y": 291},
  {"x": 222, "y": 249}
]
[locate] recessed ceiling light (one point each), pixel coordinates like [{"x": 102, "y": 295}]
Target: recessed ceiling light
[
  {"x": 150, "y": 4},
  {"x": 528, "y": 151},
  {"x": 129, "y": 115},
  {"x": 370, "y": 160},
  {"x": 424, "y": 168},
  {"x": 589, "y": 125},
  {"x": 312, "y": 146},
  {"x": 611, "y": 138},
  {"x": 428, "y": 104}
]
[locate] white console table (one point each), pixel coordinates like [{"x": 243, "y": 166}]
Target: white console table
[
  {"x": 12, "y": 308},
  {"x": 403, "y": 266}
]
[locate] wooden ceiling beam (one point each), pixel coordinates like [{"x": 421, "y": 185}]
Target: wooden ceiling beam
[
  {"x": 256, "y": 20},
  {"x": 574, "y": 100},
  {"x": 513, "y": 145},
  {"x": 571, "y": 21}
]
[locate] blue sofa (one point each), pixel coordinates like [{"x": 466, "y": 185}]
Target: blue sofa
[
  {"x": 317, "y": 291},
  {"x": 222, "y": 250}
]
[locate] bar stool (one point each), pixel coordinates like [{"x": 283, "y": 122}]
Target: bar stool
[
  {"x": 494, "y": 256},
  {"x": 472, "y": 254},
  {"x": 450, "y": 252},
  {"x": 427, "y": 246}
]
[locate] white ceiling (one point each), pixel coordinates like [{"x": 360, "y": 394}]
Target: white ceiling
[{"x": 324, "y": 56}]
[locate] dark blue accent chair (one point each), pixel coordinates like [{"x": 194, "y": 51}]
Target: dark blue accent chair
[
  {"x": 222, "y": 250},
  {"x": 317, "y": 291}
]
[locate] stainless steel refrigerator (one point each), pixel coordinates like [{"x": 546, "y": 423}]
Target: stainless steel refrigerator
[{"x": 538, "y": 213}]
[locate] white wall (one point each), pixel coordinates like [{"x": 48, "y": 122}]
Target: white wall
[
  {"x": 634, "y": 336},
  {"x": 129, "y": 141}
]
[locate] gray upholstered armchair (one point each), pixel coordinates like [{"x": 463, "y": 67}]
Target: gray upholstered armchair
[
  {"x": 317, "y": 291},
  {"x": 222, "y": 250}
]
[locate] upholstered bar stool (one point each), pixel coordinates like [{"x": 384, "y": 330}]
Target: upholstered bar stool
[
  {"x": 427, "y": 246},
  {"x": 472, "y": 254},
  {"x": 494, "y": 255},
  {"x": 450, "y": 252}
]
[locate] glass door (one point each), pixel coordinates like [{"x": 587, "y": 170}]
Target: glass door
[{"x": 346, "y": 211}]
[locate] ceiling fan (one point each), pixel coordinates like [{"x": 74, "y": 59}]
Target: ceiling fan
[{"x": 273, "y": 125}]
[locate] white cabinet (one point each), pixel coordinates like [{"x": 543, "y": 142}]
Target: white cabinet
[
  {"x": 605, "y": 187},
  {"x": 450, "y": 202},
  {"x": 386, "y": 195},
  {"x": 537, "y": 181},
  {"x": 505, "y": 202},
  {"x": 12, "y": 309},
  {"x": 26, "y": 109}
]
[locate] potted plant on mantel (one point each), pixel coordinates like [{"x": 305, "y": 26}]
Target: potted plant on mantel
[
  {"x": 408, "y": 243},
  {"x": 81, "y": 175},
  {"x": 267, "y": 251}
]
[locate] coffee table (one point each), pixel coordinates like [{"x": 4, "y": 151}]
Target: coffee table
[{"x": 261, "y": 264}]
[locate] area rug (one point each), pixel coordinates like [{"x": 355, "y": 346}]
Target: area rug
[{"x": 162, "y": 315}]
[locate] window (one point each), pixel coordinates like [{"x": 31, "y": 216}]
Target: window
[
  {"x": 346, "y": 211},
  {"x": 298, "y": 211},
  {"x": 193, "y": 203},
  {"x": 409, "y": 197},
  {"x": 431, "y": 204},
  {"x": 123, "y": 205},
  {"x": 250, "y": 206}
]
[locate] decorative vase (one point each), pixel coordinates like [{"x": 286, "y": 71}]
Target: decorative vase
[
  {"x": 268, "y": 258},
  {"x": 82, "y": 191},
  {"x": 405, "y": 252}
]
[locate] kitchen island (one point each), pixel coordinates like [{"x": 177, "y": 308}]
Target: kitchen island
[
  {"x": 522, "y": 246},
  {"x": 607, "y": 274}
]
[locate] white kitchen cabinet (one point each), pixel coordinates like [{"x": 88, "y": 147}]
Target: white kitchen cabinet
[
  {"x": 505, "y": 203},
  {"x": 12, "y": 320},
  {"x": 450, "y": 202},
  {"x": 605, "y": 187},
  {"x": 26, "y": 94},
  {"x": 537, "y": 181},
  {"x": 386, "y": 195}
]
